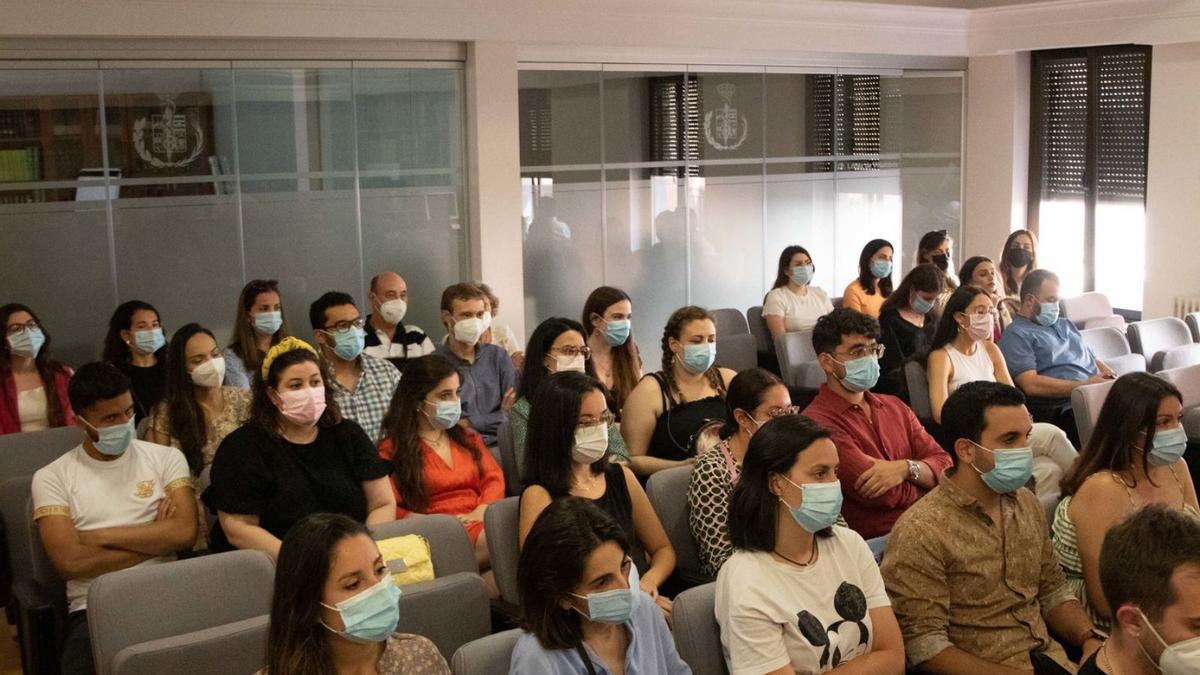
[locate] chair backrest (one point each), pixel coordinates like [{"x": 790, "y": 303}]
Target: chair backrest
[
  {"x": 1180, "y": 357},
  {"x": 1187, "y": 381},
  {"x": 27, "y": 557},
  {"x": 238, "y": 647},
  {"x": 737, "y": 352},
  {"x": 1106, "y": 342},
  {"x": 918, "y": 390},
  {"x": 796, "y": 359},
  {"x": 758, "y": 328},
  {"x": 1086, "y": 402},
  {"x": 1083, "y": 308},
  {"x": 502, "y": 523},
  {"x": 451, "y": 611},
  {"x": 486, "y": 656},
  {"x": 23, "y": 454},
  {"x": 1193, "y": 323},
  {"x": 697, "y": 634},
  {"x": 1113, "y": 321},
  {"x": 730, "y": 322},
  {"x": 1127, "y": 363},
  {"x": 668, "y": 493},
  {"x": 1153, "y": 336},
  {"x": 155, "y": 602},
  {"x": 508, "y": 460},
  {"x": 449, "y": 546}
]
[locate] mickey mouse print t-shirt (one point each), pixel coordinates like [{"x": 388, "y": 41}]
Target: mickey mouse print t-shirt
[{"x": 773, "y": 614}]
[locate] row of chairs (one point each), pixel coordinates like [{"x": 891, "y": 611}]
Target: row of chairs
[{"x": 1087, "y": 400}]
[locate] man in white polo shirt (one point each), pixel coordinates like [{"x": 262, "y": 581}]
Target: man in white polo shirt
[{"x": 111, "y": 503}]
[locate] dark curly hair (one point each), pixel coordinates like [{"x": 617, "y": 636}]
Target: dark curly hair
[{"x": 828, "y": 332}]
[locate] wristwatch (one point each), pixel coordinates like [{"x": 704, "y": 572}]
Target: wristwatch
[{"x": 914, "y": 470}]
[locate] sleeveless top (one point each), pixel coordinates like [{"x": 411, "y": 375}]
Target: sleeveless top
[
  {"x": 1066, "y": 545},
  {"x": 976, "y": 367},
  {"x": 676, "y": 428},
  {"x": 617, "y": 503}
]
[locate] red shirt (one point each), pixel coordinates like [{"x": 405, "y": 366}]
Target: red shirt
[{"x": 892, "y": 433}]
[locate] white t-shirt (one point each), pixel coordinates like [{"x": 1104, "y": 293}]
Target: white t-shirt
[
  {"x": 97, "y": 494},
  {"x": 773, "y": 614},
  {"x": 799, "y": 313}
]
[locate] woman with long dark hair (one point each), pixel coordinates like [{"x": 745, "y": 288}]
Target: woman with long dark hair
[
  {"x": 258, "y": 325},
  {"x": 793, "y": 303},
  {"x": 438, "y": 464},
  {"x": 335, "y": 607},
  {"x": 874, "y": 283},
  {"x": 979, "y": 271},
  {"x": 295, "y": 455},
  {"x": 906, "y": 324},
  {"x": 616, "y": 362},
  {"x": 1018, "y": 258},
  {"x": 136, "y": 345},
  {"x": 33, "y": 386},
  {"x": 1134, "y": 458},
  {"x": 935, "y": 248}
]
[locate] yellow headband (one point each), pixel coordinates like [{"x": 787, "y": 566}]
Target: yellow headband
[{"x": 287, "y": 344}]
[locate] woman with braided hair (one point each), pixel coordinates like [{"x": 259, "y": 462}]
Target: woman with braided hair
[{"x": 667, "y": 410}]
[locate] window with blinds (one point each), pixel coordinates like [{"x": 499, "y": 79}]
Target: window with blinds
[
  {"x": 845, "y": 112},
  {"x": 675, "y": 124},
  {"x": 537, "y": 134}
]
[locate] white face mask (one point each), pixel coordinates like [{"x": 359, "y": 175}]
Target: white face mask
[
  {"x": 393, "y": 311},
  {"x": 1181, "y": 658},
  {"x": 487, "y": 321},
  {"x": 565, "y": 363},
  {"x": 468, "y": 331},
  {"x": 211, "y": 373},
  {"x": 590, "y": 443}
]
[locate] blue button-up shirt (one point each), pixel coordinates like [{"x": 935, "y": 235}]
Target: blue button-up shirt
[
  {"x": 1056, "y": 351},
  {"x": 484, "y": 382}
]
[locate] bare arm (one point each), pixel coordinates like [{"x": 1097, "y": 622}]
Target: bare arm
[
  {"x": 775, "y": 324},
  {"x": 1096, "y": 507},
  {"x": 651, "y": 534},
  {"x": 381, "y": 501},
  {"x": 999, "y": 366},
  {"x": 940, "y": 372},
  {"x": 244, "y": 532},
  {"x": 534, "y": 500},
  {"x": 638, "y": 418},
  {"x": 173, "y": 531},
  {"x": 75, "y": 560}
]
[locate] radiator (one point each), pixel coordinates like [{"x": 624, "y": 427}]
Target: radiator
[{"x": 1186, "y": 304}]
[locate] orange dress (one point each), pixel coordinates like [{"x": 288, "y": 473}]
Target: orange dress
[{"x": 456, "y": 490}]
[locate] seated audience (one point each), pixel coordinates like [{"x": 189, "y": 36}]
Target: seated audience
[
  {"x": 666, "y": 412},
  {"x": 906, "y": 324},
  {"x": 568, "y": 439},
  {"x": 487, "y": 372},
  {"x": 362, "y": 385},
  {"x": 970, "y": 568},
  {"x": 258, "y": 325},
  {"x": 557, "y": 345},
  {"x": 1018, "y": 258},
  {"x": 1134, "y": 457},
  {"x": 389, "y": 337},
  {"x": 581, "y": 608},
  {"x": 792, "y": 304},
  {"x": 111, "y": 503},
  {"x": 294, "y": 456},
  {"x": 887, "y": 459},
  {"x": 800, "y": 594},
  {"x": 439, "y": 465},
  {"x": 962, "y": 352},
  {"x": 934, "y": 248},
  {"x": 33, "y": 386},
  {"x": 335, "y": 607},
  {"x": 135, "y": 344},
  {"x": 1047, "y": 356},
  {"x": 979, "y": 272},
  {"x": 498, "y": 334},
  {"x": 1150, "y": 572},
  {"x": 608, "y": 316},
  {"x": 755, "y": 396},
  {"x": 874, "y": 283}
]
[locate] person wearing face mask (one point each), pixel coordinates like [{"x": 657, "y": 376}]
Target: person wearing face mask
[
  {"x": 362, "y": 385},
  {"x": 888, "y": 460},
  {"x": 335, "y": 607},
  {"x": 111, "y": 503},
  {"x": 906, "y": 324},
  {"x": 874, "y": 283},
  {"x": 934, "y": 248},
  {"x": 1134, "y": 458},
  {"x": 487, "y": 372},
  {"x": 295, "y": 455},
  {"x": 1047, "y": 356},
  {"x": 608, "y": 314},
  {"x": 499, "y": 334},
  {"x": 33, "y": 386},
  {"x": 258, "y": 325},
  {"x": 1018, "y": 259},
  {"x": 663, "y": 418},
  {"x": 979, "y": 272},
  {"x": 970, "y": 568},
  {"x": 557, "y": 345},
  {"x": 582, "y": 608},
  {"x": 569, "y": 432},
  {"x": 961, "y": 352},
  {"x": 135, "y": 343},
  {"x": 388, "y": 336},
  {"x": 1150, "y": 575},
  {"x": 793, "y": 303},
  {"x": 800, "y": 594},
  {"x": 438, "y": 465}
]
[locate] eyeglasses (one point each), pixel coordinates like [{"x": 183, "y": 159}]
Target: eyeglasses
[
  {"x": 18, "y": 327},
  {"x": 606, "y": 418},
  {"x": 347, "y": 325},
  {"x": 783, "y": 412},
  {"x": 574, "y": 351},
  {"x": 866, "y": 350}
]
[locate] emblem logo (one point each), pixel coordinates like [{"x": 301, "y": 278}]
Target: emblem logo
[
  {"x": 145, "y": 488},
  {"x": 168, "y": 139},
  {"x": 724, "y": 127}
]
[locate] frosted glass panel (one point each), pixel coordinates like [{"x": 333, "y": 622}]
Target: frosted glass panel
[
  {"x": 931, "y": 163},
  {"x": 800, "y": 211},
  {"x": 564, "y": 242}
]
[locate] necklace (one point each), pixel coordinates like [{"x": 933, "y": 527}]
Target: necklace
[
  {"x": 812, "y": 557},
  {"x": 1108, "y": 661}
]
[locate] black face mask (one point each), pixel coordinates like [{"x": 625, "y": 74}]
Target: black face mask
[
  {"x": 1019, "y": 257},
  {"x": 942, "y": 261}
]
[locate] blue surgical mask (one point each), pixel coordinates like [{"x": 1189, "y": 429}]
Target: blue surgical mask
[
  {"x": 615, "y": 606},
  {"x": 349, "y": 343},
  {"x": 802, "y": 274},
  {"x": 372, "y": 615},
  {"x": 882, "y": 269},
  {"x": 921, "y": 305},
  {"x": 113, "y": 441},
  {"x": 1047, "y": 313},
  {"x": 268, "y": 323},
  {"x": 1012, "y": 470},
  {"x": 617, "y": 332},
  {"x": 149, "y": 341},
  {"x": 699, "y": 358},
  {"x": 820, "y": 506},
  {"x": 1168, "y": 446},
  {"x": 861, "y": 373},
  {"x": 27, "y": 342},
  {"x": 446, "y": 415}
]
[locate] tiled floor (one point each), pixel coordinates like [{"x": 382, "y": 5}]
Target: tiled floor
[{"x": 10, "y": 653}]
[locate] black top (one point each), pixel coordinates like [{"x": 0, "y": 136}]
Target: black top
[
  {"x": 1089, "y": 667},
  {"x": 259, "y": 474},
  {"x": 676, "y": 428},
  {"x": 617, "y": 503},
  {"x": 149, "y": 384},
  {"x": 902, "y": 341}
]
